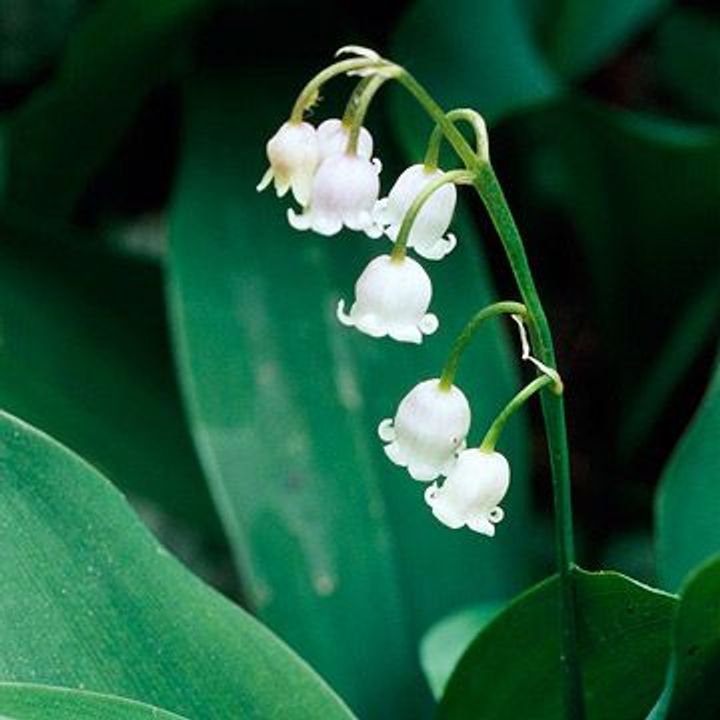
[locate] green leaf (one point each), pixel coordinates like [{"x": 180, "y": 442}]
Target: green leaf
[
  {"x": 40, "y": 702},
  {"x": 688, "y": 47},
  {"x": 579, "y": 35},
  {"x": 446, "y": 641},
  {"x": 512, "y": 669},
  {"x": 91, "y": 601},
  {"x": 121, "y": 50},
  {"x": 472, "y": 54},
  {"x": 687, "y": 507},
  {"x": 692, "y": 690},
  {"x": 332, "y": 540},
  {"x": 93, "y": 368}
]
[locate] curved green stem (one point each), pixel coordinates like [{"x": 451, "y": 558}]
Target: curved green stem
[
  {"x": 309, "y": 93},
  {"x": 463, "y": 339},
  {"x": 353, "y": 101},
  {"x": 363, "y": 103},
  {"x": 489, "y": 189},
  {"x": 475, "y": 120},
  {"x": 493, "y": 434},
  {"x": 454, "y": 176}
]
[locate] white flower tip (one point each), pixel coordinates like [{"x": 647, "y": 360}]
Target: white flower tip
[
  {"x": 422, "y": 473},
  {"x": 430, "y": 494},
  {"x": 299, "y": 222},
  {"x": 482, "y": 525},
  {"x": 266, "y": 180},
  {"x": 342, "y": 316},
  {"x": 358, "y": 50},
  {"x": 377, "y": 165},
  {"x": 386, "y": 431},
  {"x": 429, "y": 324},
  {"x": 395, "y": 454}
]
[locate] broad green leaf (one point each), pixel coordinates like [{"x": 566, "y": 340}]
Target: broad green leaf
[
  {"x": 331, "y": 539},
  {"x": 472, "y": 54},
  {"x": 40, "y": 702},
  {"x": 512, "y": 669},
  {"x": 121, "y": 50},
  {"x": 91, "y": 601},
  {"x": 688, "y": 47},
  {"x": 93, "y": 368},
  {"x": 692, "y": 690},
  {"x": 446, "y": 641},
  {"x": 579, "y": 35},
  {"x": 31, "y": 33},
  {"x": 687, "y": 506}
]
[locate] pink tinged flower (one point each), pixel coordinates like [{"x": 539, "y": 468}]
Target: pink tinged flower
[
  {"x": 428, "y": 430},
  {"x": 344, "y": 193},
  {"x": 391, "y": 298},
  {"x": 471, "y": 494},
  {"x": 294, "y": 156},
  {"x": 433, "y": 220},
  {"x": 333, "y": 136}
]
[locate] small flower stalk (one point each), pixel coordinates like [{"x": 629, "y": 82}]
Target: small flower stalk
[{"x": 428, "y": 430}]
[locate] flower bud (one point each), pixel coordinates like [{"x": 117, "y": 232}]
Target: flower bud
[
  {"x": 391, "y": 298},
  {"x": 294, "y": 155},
  {"x": 430, "y": 426},
  {"x": 344, "y": 192},
  {"x": 471, "y": 493},
  {"x": 433, "y": 220}
]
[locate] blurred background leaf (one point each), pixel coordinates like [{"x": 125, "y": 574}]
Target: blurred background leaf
[
  {"x": 688, "y": 47},
  {"x": 331, "y": 539},
  {"x": 40, "y": 702},
  {"x": 32, "y": 34},
  {"x": 93, "y": 367},
  {"x": 512, "y": 668},
  {"x": 691, "y": 690},
  {"x": 92, "y": 601},
  {"x": 446, "y": 641},
  {"x": 688, "y": 497},
  {"x": 120, "y": 50},
  {"x": 577, "y": 36}
]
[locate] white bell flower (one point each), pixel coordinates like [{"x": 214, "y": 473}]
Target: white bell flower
[
  {"x": 294, "y": 155},
  {"x": 433, "y": 220},
  {"x": 344, "y": 192},
  {"x": 429, "y": 428},
  {"x": 391, "y": 298},
  {"x": 333, "y": 136},
  {"x": 471, "y": 493}
]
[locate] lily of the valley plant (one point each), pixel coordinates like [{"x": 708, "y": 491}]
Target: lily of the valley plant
[{"x": 335, "y": 181}]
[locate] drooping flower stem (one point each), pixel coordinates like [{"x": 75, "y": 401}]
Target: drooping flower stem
[
  {"x": 506, "y": 307},
  {"x": 309, "y": 94},
  {"x": 488, "y": 187},
  {"x": 458, "y": 177},
  {"x": 353, "y": 101},
  {"x": 493, "y": 434},
  {"x": 475, "y": 120},
  {"x": 364, "y": 98}
]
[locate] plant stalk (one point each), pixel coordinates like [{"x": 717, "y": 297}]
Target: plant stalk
[{"x": 490, "y": 191}]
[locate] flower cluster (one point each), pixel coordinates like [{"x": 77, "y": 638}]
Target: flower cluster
[
  {"x": 428, "y": 437},
  {"x": 335, "y": 180}
]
